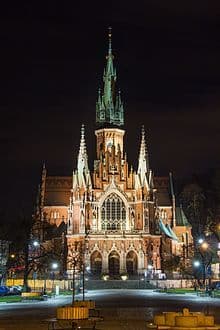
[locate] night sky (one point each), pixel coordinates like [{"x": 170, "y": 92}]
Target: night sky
[{"x": 167, "y": 55}]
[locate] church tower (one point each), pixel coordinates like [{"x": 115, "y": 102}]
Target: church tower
[{"x": 111, "y": 161}]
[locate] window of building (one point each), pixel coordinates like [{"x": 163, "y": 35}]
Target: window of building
[{"x": 113, "y": 213}]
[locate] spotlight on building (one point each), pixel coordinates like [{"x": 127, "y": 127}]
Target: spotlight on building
[
  {"x": 105, "y": 277},
  {"x": 124, "y": 277}
]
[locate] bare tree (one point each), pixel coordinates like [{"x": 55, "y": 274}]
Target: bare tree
[{"x": 75, "y": 260}]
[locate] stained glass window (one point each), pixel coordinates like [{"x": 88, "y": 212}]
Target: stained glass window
[{"x": 113, "y": 213}]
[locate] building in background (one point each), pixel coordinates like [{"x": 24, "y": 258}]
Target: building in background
[{"x": 127, "y": 219}]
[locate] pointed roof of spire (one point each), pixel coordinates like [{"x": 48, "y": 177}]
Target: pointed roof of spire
[
  {"x": 109, "y": 40},
  {"x": 82, "y": 164},
  {"x": 81, "y": 177},
  {"x": 143, "y": 143},
  {"x": 44, "y": 170},
  {"x": 109, "y": 76},
  {"x": 143, "y": 163},
  {"x": 143, "y": 155},
  {"x": 82, "y": 148},
  {"x": 106, "y": 111}
]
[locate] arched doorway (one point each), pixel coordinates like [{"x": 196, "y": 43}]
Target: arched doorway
[
  {"x": 96, "y": 263},
  {"x": 131, "y": 263},
  {"x": 114, "y": 263}
]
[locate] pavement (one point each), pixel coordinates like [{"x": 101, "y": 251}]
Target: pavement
[
  {"x": 121, "y": 309},
  {"x": 114, "y": 319}
]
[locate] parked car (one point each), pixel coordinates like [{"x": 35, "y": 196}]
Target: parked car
[
  {"x": 15, "y": 289},
  {"x": 4, "y": 290},
  {"x": 216, "y": 285}
]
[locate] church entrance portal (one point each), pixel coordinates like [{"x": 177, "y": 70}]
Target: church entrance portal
[
  {"x": 96, "y": 263},
  {"x": 131, "y": 263},
  {"x": 114, "y": 263}
]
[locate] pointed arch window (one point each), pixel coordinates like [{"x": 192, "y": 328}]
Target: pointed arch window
[{"x": 113, "y": 213}]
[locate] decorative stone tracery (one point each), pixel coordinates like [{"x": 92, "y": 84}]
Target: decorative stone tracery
[{"x": 113, "y": 213}]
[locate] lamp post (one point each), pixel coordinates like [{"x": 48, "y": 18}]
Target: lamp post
[
  {"x": 54, "y": 267},
  {"x": 203, "y": 249},
  {"x": 30, "y": 251},
  {"x": 204, "y": 255},
  {"x": 84, "y": 262}
]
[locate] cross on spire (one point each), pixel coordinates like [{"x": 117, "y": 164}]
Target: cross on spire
[{"x": 110, "y": 40}]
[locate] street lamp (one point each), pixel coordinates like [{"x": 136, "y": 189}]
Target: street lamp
[
  {"x": 54, "y": 267},
  {"x": 204, "y": 246},
  {"x": 36, "y": 243},
  {"x": 204, "y": 262},
  {"x": 200, "y": 240},
  {"x": 196, "y": 263}
]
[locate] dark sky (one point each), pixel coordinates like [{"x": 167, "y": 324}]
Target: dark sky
[{"x": 167, "y": 55}]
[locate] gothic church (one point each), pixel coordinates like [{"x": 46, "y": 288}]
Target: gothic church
[{"x": 128, "y": 219}]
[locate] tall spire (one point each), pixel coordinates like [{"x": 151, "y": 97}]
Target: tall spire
[
  {"x": 82, "y": 164},
  {"x": 143, "y": 163},
  {"x": 106, "y": 111},
  {"x": 109, "y": 79},
  {"x": 81, "y": 177},
  {"x": 82, "y": 148}
]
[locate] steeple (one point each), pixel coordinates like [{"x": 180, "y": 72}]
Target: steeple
[
  {"x": 109, "y": 107},
  {"x": 109, "y": 78},
  {"x": 82, "y": 176},
  {"x": 143, "y": 163},
  {"x": 82, "y": 164}
]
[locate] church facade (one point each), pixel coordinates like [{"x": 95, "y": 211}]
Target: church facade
[{"x": 127, "y": 220}]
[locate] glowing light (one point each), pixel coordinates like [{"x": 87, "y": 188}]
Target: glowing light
[
  {"x": 36, "y": 243},
  {"x": 196, "y": 263},
  {"x": 54, "y": 265},
  {"x": 124, "y": 277},
  {"x": 204, "y": 245},
  {"x": 200, "y": 240}
]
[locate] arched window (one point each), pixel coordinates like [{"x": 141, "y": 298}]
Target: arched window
[{"x": 113, "y": 213}]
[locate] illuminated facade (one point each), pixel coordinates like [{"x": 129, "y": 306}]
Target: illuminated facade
[{"x": 128, "y": 219}]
